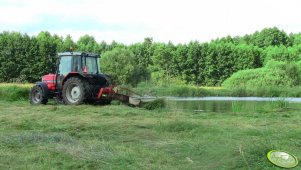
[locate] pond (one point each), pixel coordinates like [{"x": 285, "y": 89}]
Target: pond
[{"x": 231, "y": 104}]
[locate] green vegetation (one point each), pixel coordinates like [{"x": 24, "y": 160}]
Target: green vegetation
[
  {"x": 155, "y": 104},
  {"x": 26, "y": 59},
  {"x": 265, "y": 63},
  {"x": 261, "y": 107},
  {"x": 121, "y": 137},
  {"x": 120, "y": 64},
  {"x": 182, "y": 90},
  {"x": 14, "y": 93},
  {"x": 274, "y": 73}
]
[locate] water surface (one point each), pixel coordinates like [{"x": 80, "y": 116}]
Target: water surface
[{"x": 231, "y": 104}]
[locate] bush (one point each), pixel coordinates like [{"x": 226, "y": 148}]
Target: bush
[{"x": 274, "y": 73}]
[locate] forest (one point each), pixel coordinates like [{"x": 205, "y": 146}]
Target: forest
[{"x": 269, "y": 57}]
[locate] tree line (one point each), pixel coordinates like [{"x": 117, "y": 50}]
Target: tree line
[{"x": 25, "y": 58}]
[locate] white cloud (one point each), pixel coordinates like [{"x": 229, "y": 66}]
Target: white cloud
[{"x": 164, "y": 20}]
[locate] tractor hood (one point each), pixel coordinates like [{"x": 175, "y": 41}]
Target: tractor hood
[{"x": 49, "y": 79}]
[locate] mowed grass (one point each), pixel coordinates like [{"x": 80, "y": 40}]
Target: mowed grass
[{"x": 121, "y": 137}]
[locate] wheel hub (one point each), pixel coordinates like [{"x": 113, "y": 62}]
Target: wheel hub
[
  {"x": 37, "y": 96},
  {"x": 73, "y": 93}
]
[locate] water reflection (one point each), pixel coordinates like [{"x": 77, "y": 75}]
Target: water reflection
[{"x": 230, "y": 104}]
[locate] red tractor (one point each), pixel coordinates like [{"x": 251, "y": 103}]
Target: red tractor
[{"x": 77, "y": 80}]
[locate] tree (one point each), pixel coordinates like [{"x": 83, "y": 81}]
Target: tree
[
  {"x": 143, "y": 53},
  {"x": 68, "y": 44},
  {"x": 120, "y": 65},
  {"x": 14, "y": 57},
  {"x": 87, "y": 43},
  {"x": 296, "y": 39},
  {"x": 45, "y": 56},
  {"x": 268, "y": 37},
  {"x": 163, "y": 58}
]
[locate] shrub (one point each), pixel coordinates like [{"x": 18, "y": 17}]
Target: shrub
[{"x": 274, "y": 73}]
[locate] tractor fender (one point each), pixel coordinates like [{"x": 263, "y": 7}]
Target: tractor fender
[{"x": 44, "y": 87}]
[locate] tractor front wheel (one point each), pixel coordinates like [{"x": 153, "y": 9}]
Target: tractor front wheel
[
  {"x": 36, "y": 96},
  {"x": 74, "y": 91}
]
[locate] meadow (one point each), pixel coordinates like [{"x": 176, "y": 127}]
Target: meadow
[
  {"x": 265, "y": 63},
  {"x": 121, "y": 137}
]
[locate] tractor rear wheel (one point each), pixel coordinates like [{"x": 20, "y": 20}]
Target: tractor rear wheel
[
  {"x": 74, "y": 91},
  {"x": 36, "y": 96}
]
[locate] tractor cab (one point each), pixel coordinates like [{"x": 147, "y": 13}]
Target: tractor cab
[
  {"x": 85, "y": 63},
  {"x": 77, "y": 79}
]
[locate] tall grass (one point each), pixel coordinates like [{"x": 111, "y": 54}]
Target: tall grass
[
  {"x": 237, "y": 106},
  {"x": 280, "y": 104},
  {"x": 260, "y": 107},
  {"x": 28, "y": 85},
  {"x": 196, "y": 91},
  {"x": 10, "y": 92},
  {"x": 179, "y": 90}
]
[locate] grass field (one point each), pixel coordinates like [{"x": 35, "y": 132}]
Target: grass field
[{"x": 120, "y": 137}]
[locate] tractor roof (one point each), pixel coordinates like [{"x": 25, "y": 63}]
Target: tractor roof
[{"x": 78, "y": 54}]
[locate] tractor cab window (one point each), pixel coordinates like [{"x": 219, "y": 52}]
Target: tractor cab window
[
  {"x": 76, "y": 64},
  {"x": 65, "y": 65},
  {"x": 91, "y": 63},
  {"x": 98, "y": 63}
]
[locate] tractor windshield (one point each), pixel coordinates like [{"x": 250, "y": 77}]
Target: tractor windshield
[
  {"x": 65, "y": 65},
  {"x": 91, "y": 63}
]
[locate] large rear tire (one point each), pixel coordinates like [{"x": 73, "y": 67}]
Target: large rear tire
[
  {"x": 36, "y": 96},
  {"x": 74, "y": 91}
]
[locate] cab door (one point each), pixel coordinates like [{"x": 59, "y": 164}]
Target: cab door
[{"x": 65, "y": 67}]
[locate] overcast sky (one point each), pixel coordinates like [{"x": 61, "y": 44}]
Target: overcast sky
[{"x": 130, "y": 21}]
